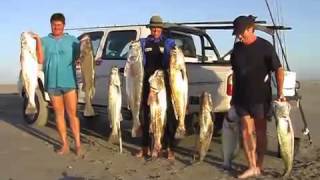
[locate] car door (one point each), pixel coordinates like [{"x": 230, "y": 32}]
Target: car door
[{"x": 114, "y": 53}]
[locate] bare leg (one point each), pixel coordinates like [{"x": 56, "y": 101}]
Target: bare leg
[
  {"x": 71, "y": 107},
  {"x": 261, "y": 131},
  {"x": 58, "y": 106},
  {"x": 249, "y": 143}
]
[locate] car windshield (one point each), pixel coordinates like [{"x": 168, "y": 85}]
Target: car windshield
[{"x": 117, "y": 44}]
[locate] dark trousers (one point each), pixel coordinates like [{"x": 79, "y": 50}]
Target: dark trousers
[
  {"x": 145, "y": 114},
  {"x": 171, "y": 127},
  {"x": 171, "y": 123}
]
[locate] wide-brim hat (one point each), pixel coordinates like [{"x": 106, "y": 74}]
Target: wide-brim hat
[{"x": 155, "y": 21}]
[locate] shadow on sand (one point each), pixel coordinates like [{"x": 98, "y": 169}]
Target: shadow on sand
[{"x": 97, "y": 127}]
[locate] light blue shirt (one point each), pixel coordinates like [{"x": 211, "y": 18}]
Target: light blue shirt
[{"x": 59, "y": 61}]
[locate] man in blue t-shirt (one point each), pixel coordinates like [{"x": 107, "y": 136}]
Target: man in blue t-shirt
[
  {"x": 58, "y": 52},
  {"x": 253, "y": 59},
  {"x": 156, "y": 54}
]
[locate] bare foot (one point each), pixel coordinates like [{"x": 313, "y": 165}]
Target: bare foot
[
  {"x": 259, "y": 170},
  {"x": 252, "y": 172},
  {"x": 63, "y": 150},
  {"x": 139, "y": 154},
  {"x": 171, "y": 155},
  {"x": 78, "y": 151},
  {"x": 155, "y": 154},
  {"x": 142, "y": 152}
]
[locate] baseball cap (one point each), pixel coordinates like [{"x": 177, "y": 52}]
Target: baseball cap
[{"x": 241, "y": 23}]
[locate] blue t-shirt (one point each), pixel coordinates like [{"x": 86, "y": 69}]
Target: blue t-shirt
[{"x": 59, "y": 61}]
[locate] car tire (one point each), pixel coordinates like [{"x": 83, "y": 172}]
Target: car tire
[{"x": 40, "y": 118}]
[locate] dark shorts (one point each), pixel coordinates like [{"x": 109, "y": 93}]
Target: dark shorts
[
  {"x": 257, "y": 111},
  {"x": 59, "y": 91}
]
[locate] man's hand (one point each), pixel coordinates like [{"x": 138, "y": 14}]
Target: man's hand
[
  {"x": 152, "y": 97},
  {"x": 34, "y": 35},
  {"x": 281, "y": 98}
]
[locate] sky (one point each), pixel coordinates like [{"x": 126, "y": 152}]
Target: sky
[{"x": 301, "y": 43}]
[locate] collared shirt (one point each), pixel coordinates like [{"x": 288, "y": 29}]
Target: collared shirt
[
  {"x": 168, "y": 45},
  {"x": 59, "y": 61}
]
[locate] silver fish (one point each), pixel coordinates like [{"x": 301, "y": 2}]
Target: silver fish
[
  {"x": 29, "y": 69},
  {"x": 134, "y": 73},
  {"x": 230, "y": 137},
  {"x": 206, "y": 123},
  {"x": 179, "y": 88},
  {"x": 114, "y": 105},
  {"x": 285, "y": 134},
  {"x": 157, "y": 101},
  {"x": 88, "y": 73}
]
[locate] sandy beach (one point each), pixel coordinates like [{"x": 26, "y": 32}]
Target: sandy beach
[{"x": 27, "y": 152}]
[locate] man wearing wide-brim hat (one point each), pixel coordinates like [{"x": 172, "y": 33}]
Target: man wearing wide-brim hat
[
  {"x": 155, "y": 22},
  {"x": 156, "y": 53}
]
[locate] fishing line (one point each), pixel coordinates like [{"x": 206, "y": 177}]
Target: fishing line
[{"x": 278, "y": 36}]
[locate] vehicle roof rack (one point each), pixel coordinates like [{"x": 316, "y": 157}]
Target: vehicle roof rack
[
  {"x": 258, "y": 26},
  {"x": 194, "y": 24},
  {"x": 213, "y": 22},
  {"x": 101, "y": 27}
]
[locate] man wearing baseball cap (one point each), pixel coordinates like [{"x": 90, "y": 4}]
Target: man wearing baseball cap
[{"x": 253, "y": 60}]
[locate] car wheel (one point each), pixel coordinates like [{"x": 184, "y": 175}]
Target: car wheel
[{"x": 40, "y": 118}]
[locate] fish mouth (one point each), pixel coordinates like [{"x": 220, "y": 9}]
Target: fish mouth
[
  {"x": 115, "y": 70},
  {"x": 85, "y": 38},
  {"x": 173, "y": 53},
  {"x": 24, "y": 39},
  {"x": 133, "y": 58}
]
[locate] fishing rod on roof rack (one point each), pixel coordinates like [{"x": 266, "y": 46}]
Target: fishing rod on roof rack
[
  {"x": 101, "y": 27},
  {"x": 214, "y": 22},
  {"x": 258, "y": 26},
  {"x": 211, "y": 23},
  {"x": 226, "y": 25}
]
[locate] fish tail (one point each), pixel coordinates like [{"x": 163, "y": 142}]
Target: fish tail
[
  {"x": 88, "y": 110},
  {"x": 114, "y": 137}
]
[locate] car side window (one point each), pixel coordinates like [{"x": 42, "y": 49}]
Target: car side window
[
  {"x": 95, "y": 39},
  {"x": 185, "y": 42},
  {"x": 117, "y": 44}
]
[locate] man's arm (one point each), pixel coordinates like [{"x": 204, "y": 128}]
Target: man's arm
[
  {"x": 143, "y": 44},
  {"x": 169, "y": 44},
  {"x": 280, "y": 78},
  {"x": 233, "y": 88},
  {"x": 76, "y": 49},
  {"x": 233, "y": 76}
]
